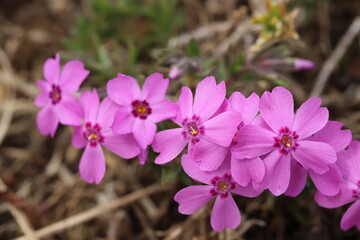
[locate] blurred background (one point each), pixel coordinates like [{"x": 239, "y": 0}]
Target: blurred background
[{"x": 309, "y": 46}]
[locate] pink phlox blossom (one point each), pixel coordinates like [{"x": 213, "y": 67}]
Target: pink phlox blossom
[
  {"x": 55, "y": 98},
  {"x": 284, "y": 139},
  {"x": 197, "y": 126},
  {"x": 349, "y": 164},
  {"x": 219, "y": 185},
  {"x": 139, "y": 111},
  {"x": 327, "y": 183},
  {"x": 210, "y": 155},
  {"x": 96, "y": 132}
]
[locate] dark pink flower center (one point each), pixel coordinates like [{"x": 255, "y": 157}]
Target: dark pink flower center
[
  {"x": 192, "y": 129},
  {"x": 286, "y": 140},
  {"x": 93, "y": 134},
  {"x": 55, "y": 94},
  {"x": 222, "y": 185},
  {"x": 356, "y": 191},
  {"x": 141, "y": 109}
]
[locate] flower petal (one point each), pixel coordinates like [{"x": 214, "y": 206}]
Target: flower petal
[
  {"x": 89, "y": 103},
  {"x": 72, "y": 76},
  {"x": 123, "y": 145},
  {"x": 351, "y": 217},
  {"x": 314, "y": 155},
  {"x": 106, "y": 113},
  {"x": 166, "y": 109},
  {"x": 329, "y": 182},
  {"x": 123, "y": 89},
  {"x": 123, "y": 121},
  {"x": 208, "y": 97},
  {"x": 77, "y": 139},
  {"x": 343, "y": 197},
  {"x": 143, "y": 156},
  {"x": 310, "y": 118},
  {"x": 277, "y": 173},
  {"x": 222, "y": 128},
  {"x": 333, "y": 135},
  {"x": 349, "y": 162},
  {"x": 169, "y": 143},
  {"x": 225, "y": 214},
  {"x": 154, "y": 88},
  {"x": 224, "y": 107},
  {"x": 297, "y": 179},
  {"x": 246, "y": 191},
  {"x": 192, "y": 198},
  {"x": 185, "y": 104},
  {"x": 277, "y": 108},
  {"x": 208, "y": 156},
  {"x": 144, "y": 132},
  {"x": 47, "y": 121},
  {"x": 43, "y": 98},
  {"x": 52, "y": 69},
  {"x": 253, "y": 141},
  {"x": 92, "y": 164},
  {"x": 68, "y": 110},
  {"x": 248, "y": 107},
  {"x": 193, "y": 170},
  {"x": 245, "y": 170}
]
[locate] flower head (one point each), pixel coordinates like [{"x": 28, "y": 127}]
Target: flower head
[
  {"x": 327, "y": 183},
  {"x": 95, "y": 132},
  {"x": 198, "y": 125},
  {"x": 55, "y": 98},
  {"x": 218, "y": 184},
  {"x": 139, "y": 111},
  {"x": 349, "y": 164},
  {"x": 303, "y": 64},
  {"x": 282, "y": 136}
]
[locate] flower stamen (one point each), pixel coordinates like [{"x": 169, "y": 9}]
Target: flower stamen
[
  {"x": 55, "y": 94},
  {"x": 141, "y": 109},
  {"x": 222, "y": 185},
  {"x": 93, "y": 134}
]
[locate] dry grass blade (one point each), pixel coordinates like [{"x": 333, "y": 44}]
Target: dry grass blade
[
  {"x": 23, "y": 222},
  {"x": 335, "y": 57},
  {"x": 96, "y": 211},
  {"x": 202, "y": 33},
  {"x": 234, "y": 38},
  {"x": 9, "y": 104}
]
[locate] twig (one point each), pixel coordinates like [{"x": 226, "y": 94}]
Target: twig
[
  {"x": 112, "y": 230},
  {"x": 150, "y": 234},
  {"x": 23, "y": 222},
  {"x": 234, "y": 38},
  {"x": 3, "y": 187},
  {"x": 335, "y": 57},
  {"x": 9, "y": 104},
  {"x": 202, "y": 33},
  {"x": 96, "y": 211}
]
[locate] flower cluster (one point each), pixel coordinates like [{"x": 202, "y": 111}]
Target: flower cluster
[{"x": 233, "y": 146}]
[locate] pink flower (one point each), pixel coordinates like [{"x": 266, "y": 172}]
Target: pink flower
[
  {"x": 55, "y": 98},
  {"x": 196, "y": 125},
  {"x": 282, "y": 138},
  {"x": 175, "y": 72},
  {"x": 96, "y": 131},
  {"x": 210, "y": 155},
  {"x": 138, "y": 111},
  {"x": 327, "y": 183},
  {"x": 219, "y": 184},
  {"x": 349, "y": 164},
  {"x": 303, "y": 64}
]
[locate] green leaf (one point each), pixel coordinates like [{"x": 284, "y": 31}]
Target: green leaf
[{"x": 192, "y": 49}]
